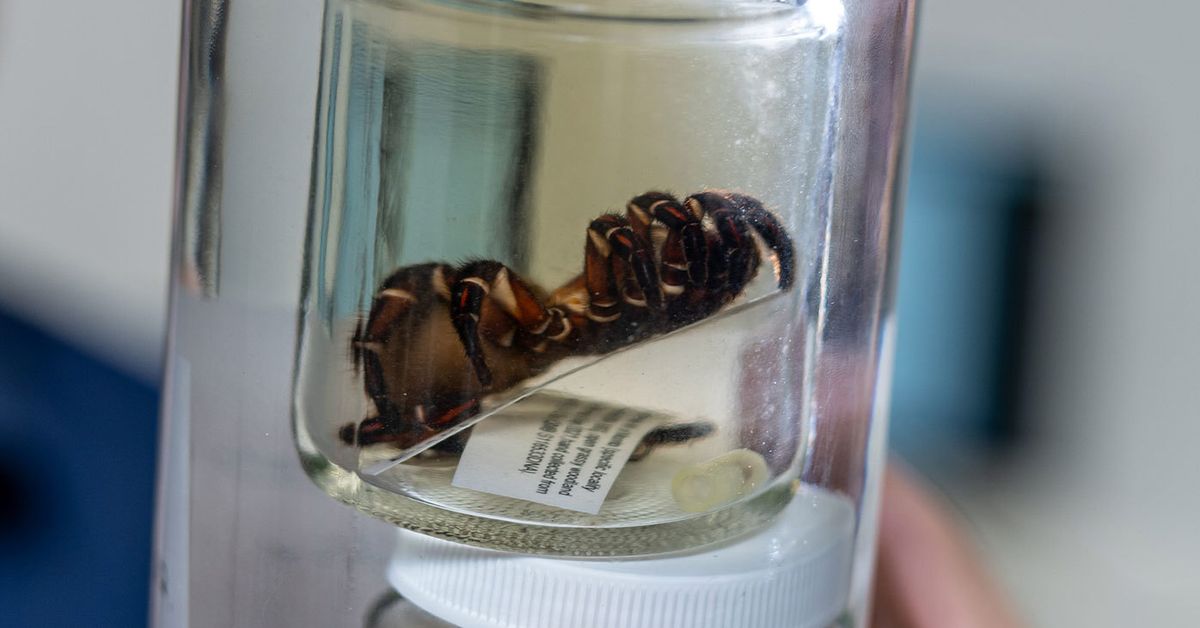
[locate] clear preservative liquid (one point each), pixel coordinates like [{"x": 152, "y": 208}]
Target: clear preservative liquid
[{"x": 473, "y": 171}]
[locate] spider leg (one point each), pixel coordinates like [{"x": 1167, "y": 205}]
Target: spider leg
[
  {"x": 745, "y": 211},
  {"x": 686, "y": 244},
  {"x": 383, "y": 429},
  {"x": 396, "y": 300},
  {"x": 741, "y": 256},
  {"x": 485, "y": 281},
  {"x": 466, "y": 304},
  {"x": 404, "y": 434},
  {"x": 395, "y": 303},
  {"x": 637, "y": 211},
  {"x": 611, "y": 238},
  {"x": 670, "y": 435},
  {"x": 674, "y": 265},
  {"x": 603, "y": 302},
  {"x": 628, "y": 283},
  {"x": 736, "y": 252},
  {"x": 388, "y": 426},
  {"x": 773, "y": 234}
]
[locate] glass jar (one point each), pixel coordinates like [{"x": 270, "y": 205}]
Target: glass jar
[{"x": 575, "y": 279}]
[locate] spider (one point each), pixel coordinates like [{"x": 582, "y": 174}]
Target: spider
[{"x": 439, "y": 337}]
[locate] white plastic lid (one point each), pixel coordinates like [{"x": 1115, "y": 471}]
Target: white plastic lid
[{"x": 794, "y": 573}]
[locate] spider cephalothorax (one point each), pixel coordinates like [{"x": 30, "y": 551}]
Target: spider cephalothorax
[{"x": 439, "y": 337}]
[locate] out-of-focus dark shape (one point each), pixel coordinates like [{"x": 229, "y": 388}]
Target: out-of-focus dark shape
[
  {"x": 975, "y": 203},
  {"x": 16, "y": 502},
  {"x": 77, "y": 442}
]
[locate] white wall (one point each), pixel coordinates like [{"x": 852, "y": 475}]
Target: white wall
[{"x": 87, "y": 131}]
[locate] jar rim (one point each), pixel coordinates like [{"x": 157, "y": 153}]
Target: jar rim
[{"x": 634, "y": 10}]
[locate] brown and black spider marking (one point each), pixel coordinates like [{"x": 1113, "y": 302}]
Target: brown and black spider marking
[{"x": 439, "y": 337}]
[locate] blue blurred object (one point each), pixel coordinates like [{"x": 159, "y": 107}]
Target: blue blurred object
[
  {"x": 974, "y": 203},
  {"x": 77, "y": 448}
]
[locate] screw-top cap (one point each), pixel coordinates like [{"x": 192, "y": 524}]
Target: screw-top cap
[{"x": 794, "y": 573}]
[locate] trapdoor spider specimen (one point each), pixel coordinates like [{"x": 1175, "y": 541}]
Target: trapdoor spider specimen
[{"x": 439, "y": 337}]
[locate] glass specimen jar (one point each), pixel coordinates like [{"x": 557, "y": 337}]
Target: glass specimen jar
[
  {"x": 595, "y": 237},
  {"x": 574, "y": 280}
]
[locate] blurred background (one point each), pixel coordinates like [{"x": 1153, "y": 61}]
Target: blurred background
[{"x": 1045, "y": 380}]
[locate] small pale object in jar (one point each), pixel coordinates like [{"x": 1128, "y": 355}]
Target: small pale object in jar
[{"x": 720, "y": 481}]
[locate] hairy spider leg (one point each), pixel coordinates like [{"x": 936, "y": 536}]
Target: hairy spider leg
[
  {"x": 773, "y": 234},
  {"x": 739, "y": 248},
  {"x": 603, "y": 304},
  {"x": 675, "y": 271},
  {"x": 613, "y": 247},
  {"x": 395, "y": 302},
  {"x": 390, "y": 423},
  {"x": 735, "y": 258},
  {"x": 466, "y": 303},
  {"x": 670, "y": 435},
  {"x": 685, "y": 250},
  {"x": 490, "y": 280},
  {"x": 427, "y": 421},
  {"x": 637, "y": 211},
  {"x": 746, "y": 211},
  {"x": 375, "y": 430},
  {"x": 673, "y": 267}
]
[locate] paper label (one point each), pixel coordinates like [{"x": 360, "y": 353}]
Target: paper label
[{"x": 558, "y": 451}]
